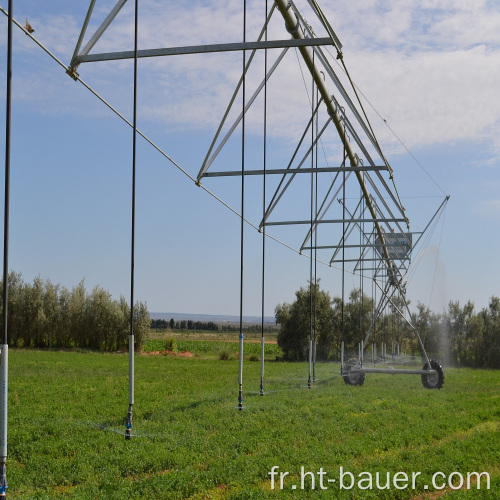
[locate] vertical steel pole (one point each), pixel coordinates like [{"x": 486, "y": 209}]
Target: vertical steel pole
[
  {"x": 5, "y": 347},
  {"x": 316, "y": 288},
  {"x": 342, "y": 358},
  {"x": 240, "y": 361},
  {"x": 262, "y": 346},
  {"x": 262, "y": 352},
  {"x": 315, "y": 344},
  {"x": 309, "y": 380},
  {"x": 4, "y": 379},
  {"x": 361, "y": 351},
  {"x": 131, "y": 338}
]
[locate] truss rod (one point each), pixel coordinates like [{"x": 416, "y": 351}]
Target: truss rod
[
  {"x": 293, "y": 27},
  {"x": 357, "y": 260},
  {"x": 331, "y": 247},
  {"x": 278, "y": 194},
  {"x": 377, "y": 191},
  {"x": 202, "y": 49},
  {"x": 362, "y": 258},
  {"x": 343, "y": 239},
  {"x": 328, "y": 67},
  {"x": 361, "y": 146},
  {"x": 204, "y": 168},
  {"x": 82, "y": 32},
  {"x": 95, "y": 37},
  {"x": 327, "y": 221},
  {"x": 433, "y": 217},
  {"x": 391, "y": 246},
  {"x": 347, "y": 231},
  {"x": 307, "y": 170},
  {"x": 325, "y": 210},
  {"x": 206, "y": 165}
]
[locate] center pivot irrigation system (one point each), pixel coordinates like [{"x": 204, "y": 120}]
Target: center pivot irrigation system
[{"x": 356, "y": 219}]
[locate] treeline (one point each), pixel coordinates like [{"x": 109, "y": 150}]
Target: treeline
[
  {"x": 254, "y": 328},
  {"x": 42, "y": 314},
  {"x": 184, "y": 325},
  {"x": 460, "y": 336},
  {"x": 210, "y": 326}
]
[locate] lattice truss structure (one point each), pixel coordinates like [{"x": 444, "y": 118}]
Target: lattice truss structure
[{"x": 335, "y": 188}]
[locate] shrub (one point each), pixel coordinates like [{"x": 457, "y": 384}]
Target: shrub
[
  {"x": 170, "y": 345},
  {"x": 225, "y": 354},
  {"x": 253, "y": 357}
]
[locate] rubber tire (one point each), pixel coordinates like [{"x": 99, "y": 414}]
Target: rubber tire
[
  {"x": 433, "y": 381},
  {"x": 353, "y": 378}
]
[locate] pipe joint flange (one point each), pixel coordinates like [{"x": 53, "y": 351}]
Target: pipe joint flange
[{"x": 294, "y": 30}]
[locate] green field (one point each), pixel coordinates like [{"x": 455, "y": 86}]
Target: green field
[
  {"x": 67, "y": 415},
  {"x": 212, "y": 348}
]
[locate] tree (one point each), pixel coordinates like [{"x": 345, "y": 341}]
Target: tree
[
  {"x": 42, "y": 315},
  {"x": 491, "y": 345},
  {"x": 423, "y": 321},
  {"x": 296, "y": 321},
  {"x": 15, "y": 307}
]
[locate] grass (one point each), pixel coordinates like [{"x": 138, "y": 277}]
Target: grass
[{"x": 67, "y": 415}]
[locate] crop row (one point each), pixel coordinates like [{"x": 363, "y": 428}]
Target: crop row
[{"x": 213, "y": 347}]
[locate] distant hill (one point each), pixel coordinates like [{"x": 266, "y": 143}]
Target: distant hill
[{"x": 219, "y": 319}]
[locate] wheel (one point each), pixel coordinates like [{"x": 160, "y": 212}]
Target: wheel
[
  {"x": 434, "y": 380},
  {"x": 357, "y": 378}
]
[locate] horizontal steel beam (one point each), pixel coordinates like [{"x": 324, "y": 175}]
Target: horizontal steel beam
[
  {"x": 395, "y": 371},
  {"x": 202, "y": 49},
  {"x": 365, "y": 260},
  {"x": 281, "y": 171},
  {"x": 332, "y": 247},
  {"x": 330, "y": 221}
]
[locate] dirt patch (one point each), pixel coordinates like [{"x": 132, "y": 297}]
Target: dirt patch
[{"x": 183, "y": 354}]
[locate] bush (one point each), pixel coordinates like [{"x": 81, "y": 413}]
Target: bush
[
  {"x": 225, "y": 354},
  {"x": 254, "y": 357},
  {"x": 170, "y": 345}
]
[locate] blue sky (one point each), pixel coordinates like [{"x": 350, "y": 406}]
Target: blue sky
[{"x": 430, "y": 70}]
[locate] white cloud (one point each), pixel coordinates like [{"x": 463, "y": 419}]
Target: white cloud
[
  {"x": 430, "y": 68},
  {"x": 489, "y": 209},
  {"x": 433, "y": 97}
]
